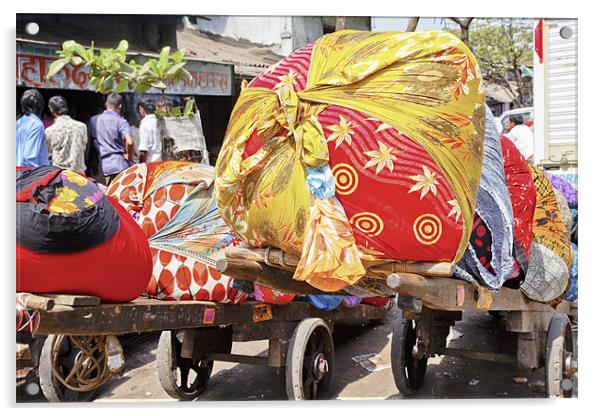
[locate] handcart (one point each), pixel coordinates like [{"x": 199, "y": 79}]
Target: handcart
[
  {"x": 73, "y": 358},
  {"x": 432, "y": 302},
  {"x": 431, "y": 306}
]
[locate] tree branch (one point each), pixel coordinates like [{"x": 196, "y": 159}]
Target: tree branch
[{"x": 412, "y": 23}]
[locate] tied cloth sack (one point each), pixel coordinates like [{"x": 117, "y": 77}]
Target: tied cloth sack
[
  {"x": 523, "y": 197},
  {"x": 547, "y": 277},
  {"x": 72, "y": 239},
  {"x": 173, "y": 204},
  {"x": 363, "y": 145},
  {"x": 488, "y": 260}
]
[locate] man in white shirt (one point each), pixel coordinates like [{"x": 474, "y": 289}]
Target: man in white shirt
[
  {"x": 150, "y": 143},
  {"x": 520, "y": 135}
]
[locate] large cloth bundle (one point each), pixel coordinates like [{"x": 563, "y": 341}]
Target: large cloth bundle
[
  {"x": 173, "y": 204},
  {"x": 523, "y": 197},
  {"x": 72, "y": 239},
  {"x": 489, "y": 260},
  {"x": 569, "y": 192},
  {"x": 360, "y": 145},
  {"x": 551, "y": 259}
]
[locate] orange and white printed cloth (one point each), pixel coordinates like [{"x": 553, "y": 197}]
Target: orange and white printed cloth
[
  {"x": 173, "y": 204},
  {"x": 395, "y": 120}
]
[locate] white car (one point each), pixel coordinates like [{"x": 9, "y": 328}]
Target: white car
[{"x": 526, "y": 112}]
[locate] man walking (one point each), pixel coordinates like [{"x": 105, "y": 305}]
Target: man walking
[
  {"x": 113, "y": 139},
  {"x": 150, "y": 142},
  {"x": 66, "y": 138},
  {"x": 31, "y": 143}
]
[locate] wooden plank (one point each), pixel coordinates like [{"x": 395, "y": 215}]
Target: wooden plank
[
  {"x": 139, "y": 316},
  {"x": 35, "y": 302},
  {"x": 267, "y": 276},
  {"x": 376, "y": 268},
  {"x": 442, "y": 293},
  {"x": 72, "y": 300},
  {"x": 277, "y": 351}
]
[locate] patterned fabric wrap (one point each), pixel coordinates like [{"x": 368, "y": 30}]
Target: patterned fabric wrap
[
  {"x": 573, "y": 293},
  {"x": 568, "y": 190},
  {"x": 564, "y": 210},
  {"x": 523, "y": 198},
  {"x": 548, "y": 275},
  {"x": 495, "y": 210},
  {"x": 399, "y": 120},
  {"x": 173, "y": 204}
]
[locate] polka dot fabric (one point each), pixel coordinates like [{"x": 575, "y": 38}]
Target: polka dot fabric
[{"x": 175, "y": 276}]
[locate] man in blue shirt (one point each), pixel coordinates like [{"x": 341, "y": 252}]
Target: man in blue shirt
[
  {"x": 31, "y": 141},
  {"x": 113, "y": 139}
]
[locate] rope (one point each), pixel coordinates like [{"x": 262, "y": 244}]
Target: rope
[
  {"x": 26, "y": 318},
  {"x": 91, "y": 360}
]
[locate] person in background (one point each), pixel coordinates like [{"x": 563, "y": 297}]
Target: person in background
[
  {"x": 113, "y": 139},
  {"x": 520, "y": 135},
  {"x": 134, "y": 123},
  {"x": 31, "y": 141},
  {"x": 66, "y": 138},
  {"x": 150, "y": 142}
]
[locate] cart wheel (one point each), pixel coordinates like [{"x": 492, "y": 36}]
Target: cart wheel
[
  {"x": 175, "y": 371},
  {"x": 408, "y": 372},
  {"x": 310, "y": 361},
  {"x": 561, "y": 365},
  {"x": 69, "y": 373}
]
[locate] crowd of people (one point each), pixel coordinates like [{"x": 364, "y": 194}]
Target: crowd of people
[{"x": 73, "y": 145}]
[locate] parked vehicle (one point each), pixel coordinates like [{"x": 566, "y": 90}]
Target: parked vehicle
[
  {"x": 526, "y": 112},
  {"x": 555, "y": 94}
]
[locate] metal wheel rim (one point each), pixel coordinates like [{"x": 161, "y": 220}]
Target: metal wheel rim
[{"x": 315, "y": 349}]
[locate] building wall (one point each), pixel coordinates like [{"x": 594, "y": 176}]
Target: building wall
[{"x": 283, "y": 33}]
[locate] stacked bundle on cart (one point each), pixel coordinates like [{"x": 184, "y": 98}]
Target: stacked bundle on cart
[
  {"x": 72, "y": 239},
  {"x": 358, "y": 155}
]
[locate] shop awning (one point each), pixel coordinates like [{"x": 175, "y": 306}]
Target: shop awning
[
  {"x": 34, "y": 57},
  {"x": 248, "y": 59}
]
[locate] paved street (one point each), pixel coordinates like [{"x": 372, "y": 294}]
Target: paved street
[{"x": 447, "y": 377}]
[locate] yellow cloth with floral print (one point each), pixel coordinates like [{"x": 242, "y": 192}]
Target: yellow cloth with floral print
[{"x": 265, "y": 198}]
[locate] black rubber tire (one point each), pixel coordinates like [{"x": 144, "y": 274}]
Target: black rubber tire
[
  {"x": 53, "y": 389},
  {"x": 170, "y": 365},
  {"x": 408, "y": 373},
  {"x": 297, "y": 373},
  {"x": 559, "y": 340}
]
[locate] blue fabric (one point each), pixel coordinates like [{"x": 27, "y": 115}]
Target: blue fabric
[
  {"x": 572, "y": 293},
  {"x": 321, "y": 182},
  {"x": 31, "y": 142},
  {"x": 109, "y": 130},
  {"x": 495, "y": 209},
  {"x": 325, "y": 302}
]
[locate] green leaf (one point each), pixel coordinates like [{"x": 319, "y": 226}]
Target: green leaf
[
  {"x": 178, "y": 55},
  {"x": 164, "y": 57},
  {"x": 188, "y": 107},
  {"x": 76, "y": 60},
  {"x": 56, "y": 66},
  {"x": 185, "y": 74},
  {"x": 107, "y": 84},
  {"x": 176, "y": 111},
  {"x": 154, "y": 67},
  {"x": 80, "y": 50},
  {"x": 142, "y": 88},
  {"x": 69, "y": 46},
  {"x": 175, "y": 68},
  {"x": 121, "y": 86},
  {"x": 159, "y": 85},
  {"x": 123, "y": 45}
]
